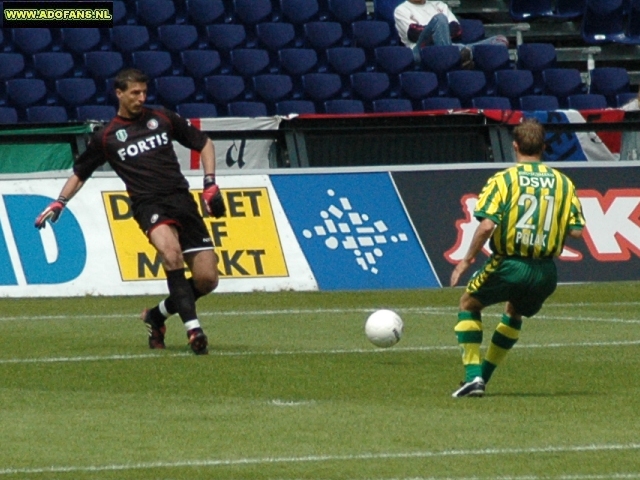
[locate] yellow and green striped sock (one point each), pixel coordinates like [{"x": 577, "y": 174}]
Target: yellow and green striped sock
[
  {"x": 504, "y": 338},
  {"x": 469, "y": 333}
]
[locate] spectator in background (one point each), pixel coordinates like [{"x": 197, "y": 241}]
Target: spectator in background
[{"x": 421, "y": 23}]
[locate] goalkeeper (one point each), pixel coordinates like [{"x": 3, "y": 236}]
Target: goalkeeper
[
  {"x": 137, "y": 144},
  {"x": 526, "y": 211}
]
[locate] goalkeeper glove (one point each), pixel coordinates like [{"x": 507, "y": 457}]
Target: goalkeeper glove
[
  {"x": 51, "y": 213},
  {"x": 213, "y": 200}
]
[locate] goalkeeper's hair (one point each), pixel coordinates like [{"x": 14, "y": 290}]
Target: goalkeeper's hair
[
  {"x": 529, "y": 135},
  {"x": 127, "y": 76}
]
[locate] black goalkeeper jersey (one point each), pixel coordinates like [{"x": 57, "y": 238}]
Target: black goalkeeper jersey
[{"x": 140, "y": 151}]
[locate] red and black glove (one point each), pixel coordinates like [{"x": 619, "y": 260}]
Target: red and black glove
[
  {"x": 51, "y": 213},
  {"x": 213, "y": 200},
  {"x": 414, "y": 31},
  {"x": 455, "y": 30}
]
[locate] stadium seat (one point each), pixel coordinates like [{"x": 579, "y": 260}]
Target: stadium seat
[
  {"x": 562, "y": 82},
  {"x": 103, "y": 113},
  {"x": 587, "y": 101},
  {"x": 369, "y": 86},
  {"x": 441, "y": 103},
  {"x": 299, "y": 12},
  {"x": 536, "y": 57},
  {"x": 394, "y": 59},
  {"x": 440, "y": 60},
  {"x": 609, "y": 81},
  {"x": 74, "y": 92},
  {"x": 320, "y": 87},
  {"x": 342, "y": 106},
  {"x": 154, "y": 13},
  {"x": 119, "y": 12},
  {"x": 24, "y": 92},
  {"x": 177, "y": 38},
  {"x": 348, "y": 11},
  {"x": 103, "y": 65},
  {"x": 154, "y": 63},
  {"x": 297, "y": 61},
  {"x": 391, "y": 105},
  {"x": 369, "y": 34},
  {"x": 53, "y": 65},
  {"x": 603, "y": 21},
  {"x": 47, "y": 114},
  {"x": 225, "y": 37},
  {"x": 624, "y": 98},
  {"x": 251, "y": 12},
  {"x": 32, "y": 40},
  {"x": 417, "y": 86},
  {"x": 205, "y": 12},
  {"x": 633, "y": 23},
  {"x": 346, "y": 60},
  {"x": 11, "y": 65},
  {"x": 249, "y": 61},
  {"x": 466, "y": 84},
  {"x": 472, "y": 30},
  {"x": 247, "y": 109},
  {"x": 276, "y": 35},
  {"x": 8, "y": 115},
  {"x": 488, "y": 59},
  {"x": 80, "y": 40},
  {"x": 200, "y": 63},
  {"x": 539, "y": 102},
  {"x": 569, "y": 9},
  {"x": 172, "y": 90},
  {"x": 272, "y": 88},
  {"x": 513, "y": 84},
  {"x": 287, "y": 107},
  {"x": 129, "y": 38},
  {"x": 323, "y": 35},
  {"x": 223, "y": 89},
  {"x": 525, "y": 10},
  {"x": 197, "y": 110},
  {"x": 491, "y": 103}
]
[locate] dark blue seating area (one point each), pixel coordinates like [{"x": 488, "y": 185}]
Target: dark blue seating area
[{"x": 276, "y": 57}]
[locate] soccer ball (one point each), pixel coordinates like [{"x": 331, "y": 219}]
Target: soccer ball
[{"x": 384, "y": 328}]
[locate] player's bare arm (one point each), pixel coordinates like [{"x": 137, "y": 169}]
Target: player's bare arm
[{"x": 480, "y": 237}]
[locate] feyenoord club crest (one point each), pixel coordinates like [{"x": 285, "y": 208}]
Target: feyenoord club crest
[
  {"x": 152, "y": 124},
  {"x": 121, "y": 135}
]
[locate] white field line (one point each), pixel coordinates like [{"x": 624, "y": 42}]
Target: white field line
[
  {"x": 604, "y": 476},
  {"x": 276, "y": 353},
  {"x": 324, "y": 458}
]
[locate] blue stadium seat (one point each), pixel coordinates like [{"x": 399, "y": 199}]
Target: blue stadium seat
[
  {"x": 348, "y": 11},
  {"x": 119, "y": 12},
  {"x": 466, "y": 84},
  {"x": 369, "y": 34},
  {"x": 74, "y": 92},
  {"x": 223, "y": 89},
  {"x": 47, "y": 114},
  {"x": 205, "y": 12},
  {"x": 344, "y": 105},
  {"x": 383, "y": 10},
  {"x": 525, "y": 10},
  {"x": 440, "y": 60},
  {"x": 247, "y": 109},
  {"x": 539, "y": 102},
  {"x": 513, "y": 84},
  {"x": 418, "y": 85},
  {"x": 472, "y": 30},
  {"x": 276, "y": 35},
  {"x": 225, "y": 37},
  {"x": 536, "y": 57},
  {"x": 562, "y": 82},
  {"x": 346, "y": 60},
  {"x": 81, "y": 40},
  {"x": 392, "y": 105},
  {"x": 287, "y": 107},
  {"x": 491, "y": 103},
  {"x": 11, "y": 65},
  {"x": 322, "y": 35},
  {"x": 297, "y": 61},
  {"x": 394, "y": 59},
  {"x": 624, "y": 98},
  {"x": 172, "y": 90},
  {"x": 272, "y": 88},
  {"x": 177, "y": 38},
  {"x": 249, "y": 61},
  {"x": 633, "y": 22},
  {"x": 103, "y": 65},
  {"x": 299, "y": 12},
  {"x": 155, "y": 63},
  {"x": 200, "y": 63},
  {"x": 587, "y": 101},
  {"x": 197, "y": 110},
  {"x": 53, "y": 65},
  {"x": 24, "y": 92},
  {"x": 32, "y": 40},
  {"x": 320, "y": 87},
  {"x": 8, "y": 115},
  {"x": 609, "y": 81},
  {"x": 103, "y": 113},
  {"x": 153, "y": 13},
  {"x": 441, "y": 103},
  {"x": 488, "y": 59},
  {"x": 251, "y": 12},
  {"x": 129, "y": 38},
  {"x": 369, "y": 86},
  {"x": 569, "y": 9},
  {"x": 603, "y": 21}
]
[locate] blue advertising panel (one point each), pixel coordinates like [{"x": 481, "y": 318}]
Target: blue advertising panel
[{"x": 354, "y": 231}]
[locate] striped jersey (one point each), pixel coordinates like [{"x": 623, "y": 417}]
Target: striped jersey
[{"x": 533, "y": 206}]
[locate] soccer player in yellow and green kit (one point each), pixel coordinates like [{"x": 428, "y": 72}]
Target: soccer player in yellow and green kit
[{"x": 526, "y": 211}]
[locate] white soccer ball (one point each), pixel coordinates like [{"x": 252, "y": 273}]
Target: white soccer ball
[{"x": 384, "y": 328}]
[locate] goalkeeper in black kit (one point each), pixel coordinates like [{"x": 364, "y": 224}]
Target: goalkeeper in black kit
[{"x": 137, "y": 144}]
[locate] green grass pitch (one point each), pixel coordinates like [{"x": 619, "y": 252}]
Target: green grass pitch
[{"x": 292, "y": 389}]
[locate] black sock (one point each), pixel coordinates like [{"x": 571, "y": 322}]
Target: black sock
[
  {"x": 181, "y": 294},
  {"x": 170, "y": 306}
]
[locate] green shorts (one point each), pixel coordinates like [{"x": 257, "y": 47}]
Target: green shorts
[{"x": 525, "y": 282}]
